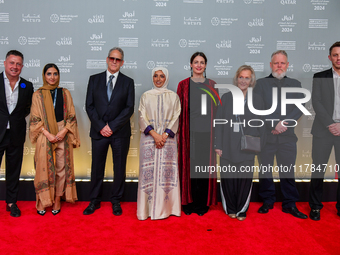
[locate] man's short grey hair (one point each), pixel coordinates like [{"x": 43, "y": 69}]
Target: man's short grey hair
[
  {"x": 283, "y": 52},
  {"x": 119, "y": 49}
]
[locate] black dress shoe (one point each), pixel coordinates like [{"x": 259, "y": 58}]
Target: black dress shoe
[
  {"x": 338, "y": 213},
  {"x": 314, "y": 214},
  {"x": 188, "y": 209},
  {"x": 15, "y": 211},
  {"x": 91, "y": 208},
  {"x": 295, "y": 212},
  {"x": 201, "y": 210},
  {"x": 55, "y": 212},
  {"x": 42, "y": 212},
  {"x": 265, "y": 208},
  {"x": 116, "y": 209}
]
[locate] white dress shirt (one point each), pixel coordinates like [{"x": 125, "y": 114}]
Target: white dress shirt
[{"x": 11, "y": 95}]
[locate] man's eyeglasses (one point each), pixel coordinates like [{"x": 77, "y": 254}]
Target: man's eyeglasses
[{"x": 114, "y": 59}]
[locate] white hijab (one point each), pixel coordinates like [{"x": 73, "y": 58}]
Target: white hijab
[{"x": 163, "y": 89}]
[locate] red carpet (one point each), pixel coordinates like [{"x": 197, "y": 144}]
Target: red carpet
[{"x": 70, "y": 232}]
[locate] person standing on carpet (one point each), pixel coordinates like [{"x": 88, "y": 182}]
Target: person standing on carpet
[
  {"x": 158, "y": 185},
  {"x": 110, "y": 102},
  {"x": 280, "y": 137},
  {"x": 195, "y": 139},
  {"x": 236, "y": 185},
  {"x": 326, "y": 128},
  {"x": 54, "y": 130},
  {"x": 15, "y": 102}
]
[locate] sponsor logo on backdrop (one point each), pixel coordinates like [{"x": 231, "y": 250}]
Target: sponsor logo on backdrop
[
  {"x": 133, "y": 152},
  {"x": 224, "y": 44},
  {"x": 65, "y": 64},
  {"x": 35, "y": 81},
  {"x": 258, "y": 22},
  {"x": 151, "y": 64},
  {"x": 290, "y": 68},
  {"x": 306, "y": 132},
  {"x": 67, "y": 84},
  {"x": 96, "y": 42},
  {"x": 129, "y": 65},
  {"x": 30, "y": 40},
  {"x": 215, "y": 21},
  {"x": 26, "y": 149},
  {"x": 319, "y": 5},
  {"x": 159, "y": 20},
  {"x": 183, "y": 43},
  {"x": 130, "y": 173},
  {"x": 160, "y": 43},
  {"x": 314, "y": 68},
  {"x": 193, "y": 21},
  {"x": 306, "y": 68},
  {"x": 255, "y": 45},
  {"x": 190, "y": 43},
  {"x": 287, "y": 23},
  {"x": 64, "y": 41},
  {"x": 257, "y": 66},
  {"x": 96, "y": 19},
  {"x": 225, "y": 1},
  {"x": 316, "y": 46},
  {"x": 4, "y": 40},
  {"x": 2, "y": 62},
  {"x": 310, "y": 108},
  {"x": 160, "y": 3},
  {"x": 284, "y": 2},
  {"x": 222, "y": 66},
  {"x": 318, "y": 23},
  {"x": 96, "y": 64},
  {"x": 4, "y": 17},
  {"x": 128, "y": 41},
  {"x": 62, "y": 18},
  {"x": 32, "y": 63},
  {"x": 128, "y": 20},
  {"x": 253, "y": 1},
  {"x": 187, "y": 67},
  {"x": 286, "y": 45},
  {"x": 193, "y": 1},
  {"x": 30, "y": 18}
]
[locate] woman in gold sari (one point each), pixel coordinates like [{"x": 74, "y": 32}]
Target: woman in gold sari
[{"x": 54, "y": 130}]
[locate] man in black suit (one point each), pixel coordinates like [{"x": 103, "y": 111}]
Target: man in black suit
[
  {"x": 326, "y": 128},
  {"x": 110, "y": 103},
  {"x": 281, "y": 139},
  {"x": 15, "y": 103}
]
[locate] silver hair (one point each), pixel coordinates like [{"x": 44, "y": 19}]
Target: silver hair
[
  {"x": 283, "y": 52},
  {"x": 116, "y": 48}
]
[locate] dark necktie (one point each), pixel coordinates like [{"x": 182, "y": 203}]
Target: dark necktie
[{"x": 110, "y": 87}]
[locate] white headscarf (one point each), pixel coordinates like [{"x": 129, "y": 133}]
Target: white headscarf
[{"x": 162, "y": 89}]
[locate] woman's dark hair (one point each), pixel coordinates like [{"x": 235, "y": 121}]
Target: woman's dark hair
[
  {"x": 49, "y": 66},
  {"x": 198, "y": 53}
]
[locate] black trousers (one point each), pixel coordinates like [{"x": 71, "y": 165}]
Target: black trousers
[
  {"x": 199, "y": 156},
  {"x": 120, "y": 148},
  {"x": 14, "y": 155},
  {"x": 285, "y": 157},
  {"x": 321, "y": 151},
  {"x": 236, "y": 187}
]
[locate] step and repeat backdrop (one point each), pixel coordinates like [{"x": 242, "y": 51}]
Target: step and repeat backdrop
[{"x": 77, "y": 35}]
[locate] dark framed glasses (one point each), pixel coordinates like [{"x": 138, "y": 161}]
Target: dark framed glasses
[{"x": 115, "y": 59}]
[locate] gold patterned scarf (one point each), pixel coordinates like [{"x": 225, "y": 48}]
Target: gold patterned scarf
[{"x": 49, "y": 108}]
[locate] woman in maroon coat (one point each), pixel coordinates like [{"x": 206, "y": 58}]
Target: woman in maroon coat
[{"x": 195, "y": 139}]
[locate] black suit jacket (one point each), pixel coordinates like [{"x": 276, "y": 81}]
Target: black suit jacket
[
  {"x": 323, "y": 102},
  {"x": 264, "y": 87},
  {"x": 16, "y": 119},
  {"x": 116, "y": 112}
]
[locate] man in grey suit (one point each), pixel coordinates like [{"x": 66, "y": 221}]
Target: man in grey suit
[
  {"x": 326, "y": 128},
  {"x": 15, "y": 103},
  {"x": 110, "y": 103}
]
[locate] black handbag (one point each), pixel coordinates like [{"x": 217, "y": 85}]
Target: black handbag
[{"x": 250, "y": 143}]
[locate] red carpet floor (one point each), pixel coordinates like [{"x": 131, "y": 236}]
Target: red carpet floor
[{"x": 70, "y": 232}]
